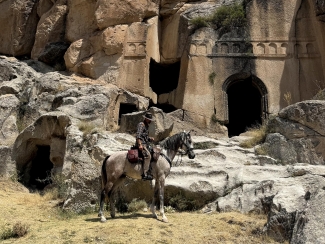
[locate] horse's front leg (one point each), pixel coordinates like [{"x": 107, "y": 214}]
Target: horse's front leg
[
  {"x": 154, "y": 199},
  {"x": 161, "y": 197}
]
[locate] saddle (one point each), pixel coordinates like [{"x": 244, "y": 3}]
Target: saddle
[{"x": 133, "y": 154}]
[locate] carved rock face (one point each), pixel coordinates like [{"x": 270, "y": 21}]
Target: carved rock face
[
  {"x": 18, "y": 21},
  {"x": 115, "y": 12}
]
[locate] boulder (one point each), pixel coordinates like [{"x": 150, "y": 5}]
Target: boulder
[
  {"x": 81, "y": 21},
  {"x": 44, "y": 6},
  {"x": 18, "y": 21},
  {"x": 50, "y": 28},
  {"x": 7, "y": 166},
  {"x": 320, "y": 9},
  {"x": 309, "y": 113},
  {"x": 113, "y": 12},
  {"x": 53, "y": 53},
  {"x": 301, "y": 150},
  {"x": 160, "y": 128},
  {"x": 307, "y": 222}
]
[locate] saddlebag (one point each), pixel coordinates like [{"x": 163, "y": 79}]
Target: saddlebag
[{"x": 133, "y": 155}]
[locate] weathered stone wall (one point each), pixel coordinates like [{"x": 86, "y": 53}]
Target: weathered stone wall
[
  {"x": 114, "y": 41},
  {"x": 286, "y": 57}
]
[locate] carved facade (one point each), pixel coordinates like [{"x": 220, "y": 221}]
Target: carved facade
[{"x": 281, "y": 52}]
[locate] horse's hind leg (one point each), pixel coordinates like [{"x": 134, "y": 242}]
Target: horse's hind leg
[
  {"x": 106, "y": 190},
  {"x": 111, "y": 195},
  {"x": 101, "y": 205}
]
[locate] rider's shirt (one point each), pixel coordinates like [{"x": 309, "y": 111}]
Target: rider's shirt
[{"x": 143, "y": 132}]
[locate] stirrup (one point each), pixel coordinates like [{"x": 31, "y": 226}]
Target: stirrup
[{"x": 147, "y": 177}]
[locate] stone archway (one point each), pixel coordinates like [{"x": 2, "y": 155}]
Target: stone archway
[
  {"x": 246, "y": 102},
  {"x": 39, "y": 150}
]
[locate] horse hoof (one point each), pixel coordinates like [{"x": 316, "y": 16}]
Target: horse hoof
[
  {"x": 103, "y": 219},
  {"x": 165, "y": 220}
]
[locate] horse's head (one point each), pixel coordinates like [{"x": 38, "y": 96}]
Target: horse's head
[{"x": 187, "y": 144}]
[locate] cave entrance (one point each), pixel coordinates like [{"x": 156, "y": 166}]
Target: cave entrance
[
  {"x": 126, "y": 108},
  {"x": 164, "y": 77},
  {"x": 247, "y": 103},
  {"x": 40, "y": 169}
]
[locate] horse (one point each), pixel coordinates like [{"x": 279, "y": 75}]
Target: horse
[{"x": 116, "y": 168}]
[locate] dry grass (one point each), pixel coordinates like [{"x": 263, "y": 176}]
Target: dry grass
[
  {"x": 257, "y": 135},
  {"x": 46, "y": 224},
  {"x": 89, "y": 128},
  {"x": 287, "y": 98}
]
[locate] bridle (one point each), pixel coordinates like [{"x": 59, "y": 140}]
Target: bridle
[{"x": 188, "y": 148}]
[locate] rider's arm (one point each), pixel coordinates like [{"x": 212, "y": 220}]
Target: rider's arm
[{"x": 139, "y": 133}]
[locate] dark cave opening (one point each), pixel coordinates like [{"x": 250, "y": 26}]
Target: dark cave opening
[
  {"x": 244, "y": 106},
  {"x": 40, "y": 169},
  {"x": 126, "y": 108},
  {"x": 164, "y": 77}
]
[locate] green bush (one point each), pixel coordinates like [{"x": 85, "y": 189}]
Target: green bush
[
  {"x": 136, "y": 205},
  {"x": 226, "y": 17},
  {"x": 212, "y": 76},
  {"x": 200, "y": 21},
  {"x": 182, "y": 203},
  {"x": 229, "y": 16},
  {"x": 18, "y": 230}
]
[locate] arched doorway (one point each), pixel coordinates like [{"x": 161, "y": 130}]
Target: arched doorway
[{"x": 246, "y": 102}]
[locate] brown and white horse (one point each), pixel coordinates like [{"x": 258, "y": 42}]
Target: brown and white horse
[{"x": 116, "y": 168}]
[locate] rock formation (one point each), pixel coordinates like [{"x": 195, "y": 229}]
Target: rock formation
[
  {"x": 125, "y": 57},
  {"x": 158, "y": 50}
]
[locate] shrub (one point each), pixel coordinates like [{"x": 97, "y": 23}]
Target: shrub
[
  {"x": 136, "y": 205},
  {"x": 18, "y": 230},
  {"x": 200, "y": 21},
  {"x": 320, "y": 92},
  {"x": 205, "y": 145},
  {"x": 121, "y": 204},
  {"x": 59, "y": 181},
  {"x": 182, "y": 203},
  {"x": 226, "y": 17},
  {"x": 15, "y": 176},
  {"x": 229, "y": 16},
  {"x": 258, "y": 134},
  {"x": 58, "y": 188},
  {"x": 211, "y": 78},
  {"x": 288, "y": 98}
]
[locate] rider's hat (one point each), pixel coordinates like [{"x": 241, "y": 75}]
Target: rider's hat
[{"x": 148, "y": 116}]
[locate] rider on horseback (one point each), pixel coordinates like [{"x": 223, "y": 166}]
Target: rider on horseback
[{"x": 142, "y": 139}]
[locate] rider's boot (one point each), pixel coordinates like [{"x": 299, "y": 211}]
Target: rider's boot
[{"x": 147, "y": 173}]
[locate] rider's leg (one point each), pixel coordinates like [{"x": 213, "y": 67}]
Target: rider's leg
[{"x": 146, "y": 165}]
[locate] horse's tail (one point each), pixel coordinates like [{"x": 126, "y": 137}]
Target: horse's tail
[{"x": 104, "y": 174}]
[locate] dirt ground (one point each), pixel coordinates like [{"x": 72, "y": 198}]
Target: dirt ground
[{"x": 46, "y": 223}]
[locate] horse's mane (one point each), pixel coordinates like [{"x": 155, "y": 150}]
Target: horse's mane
[{"x": 172, "y": 142}]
